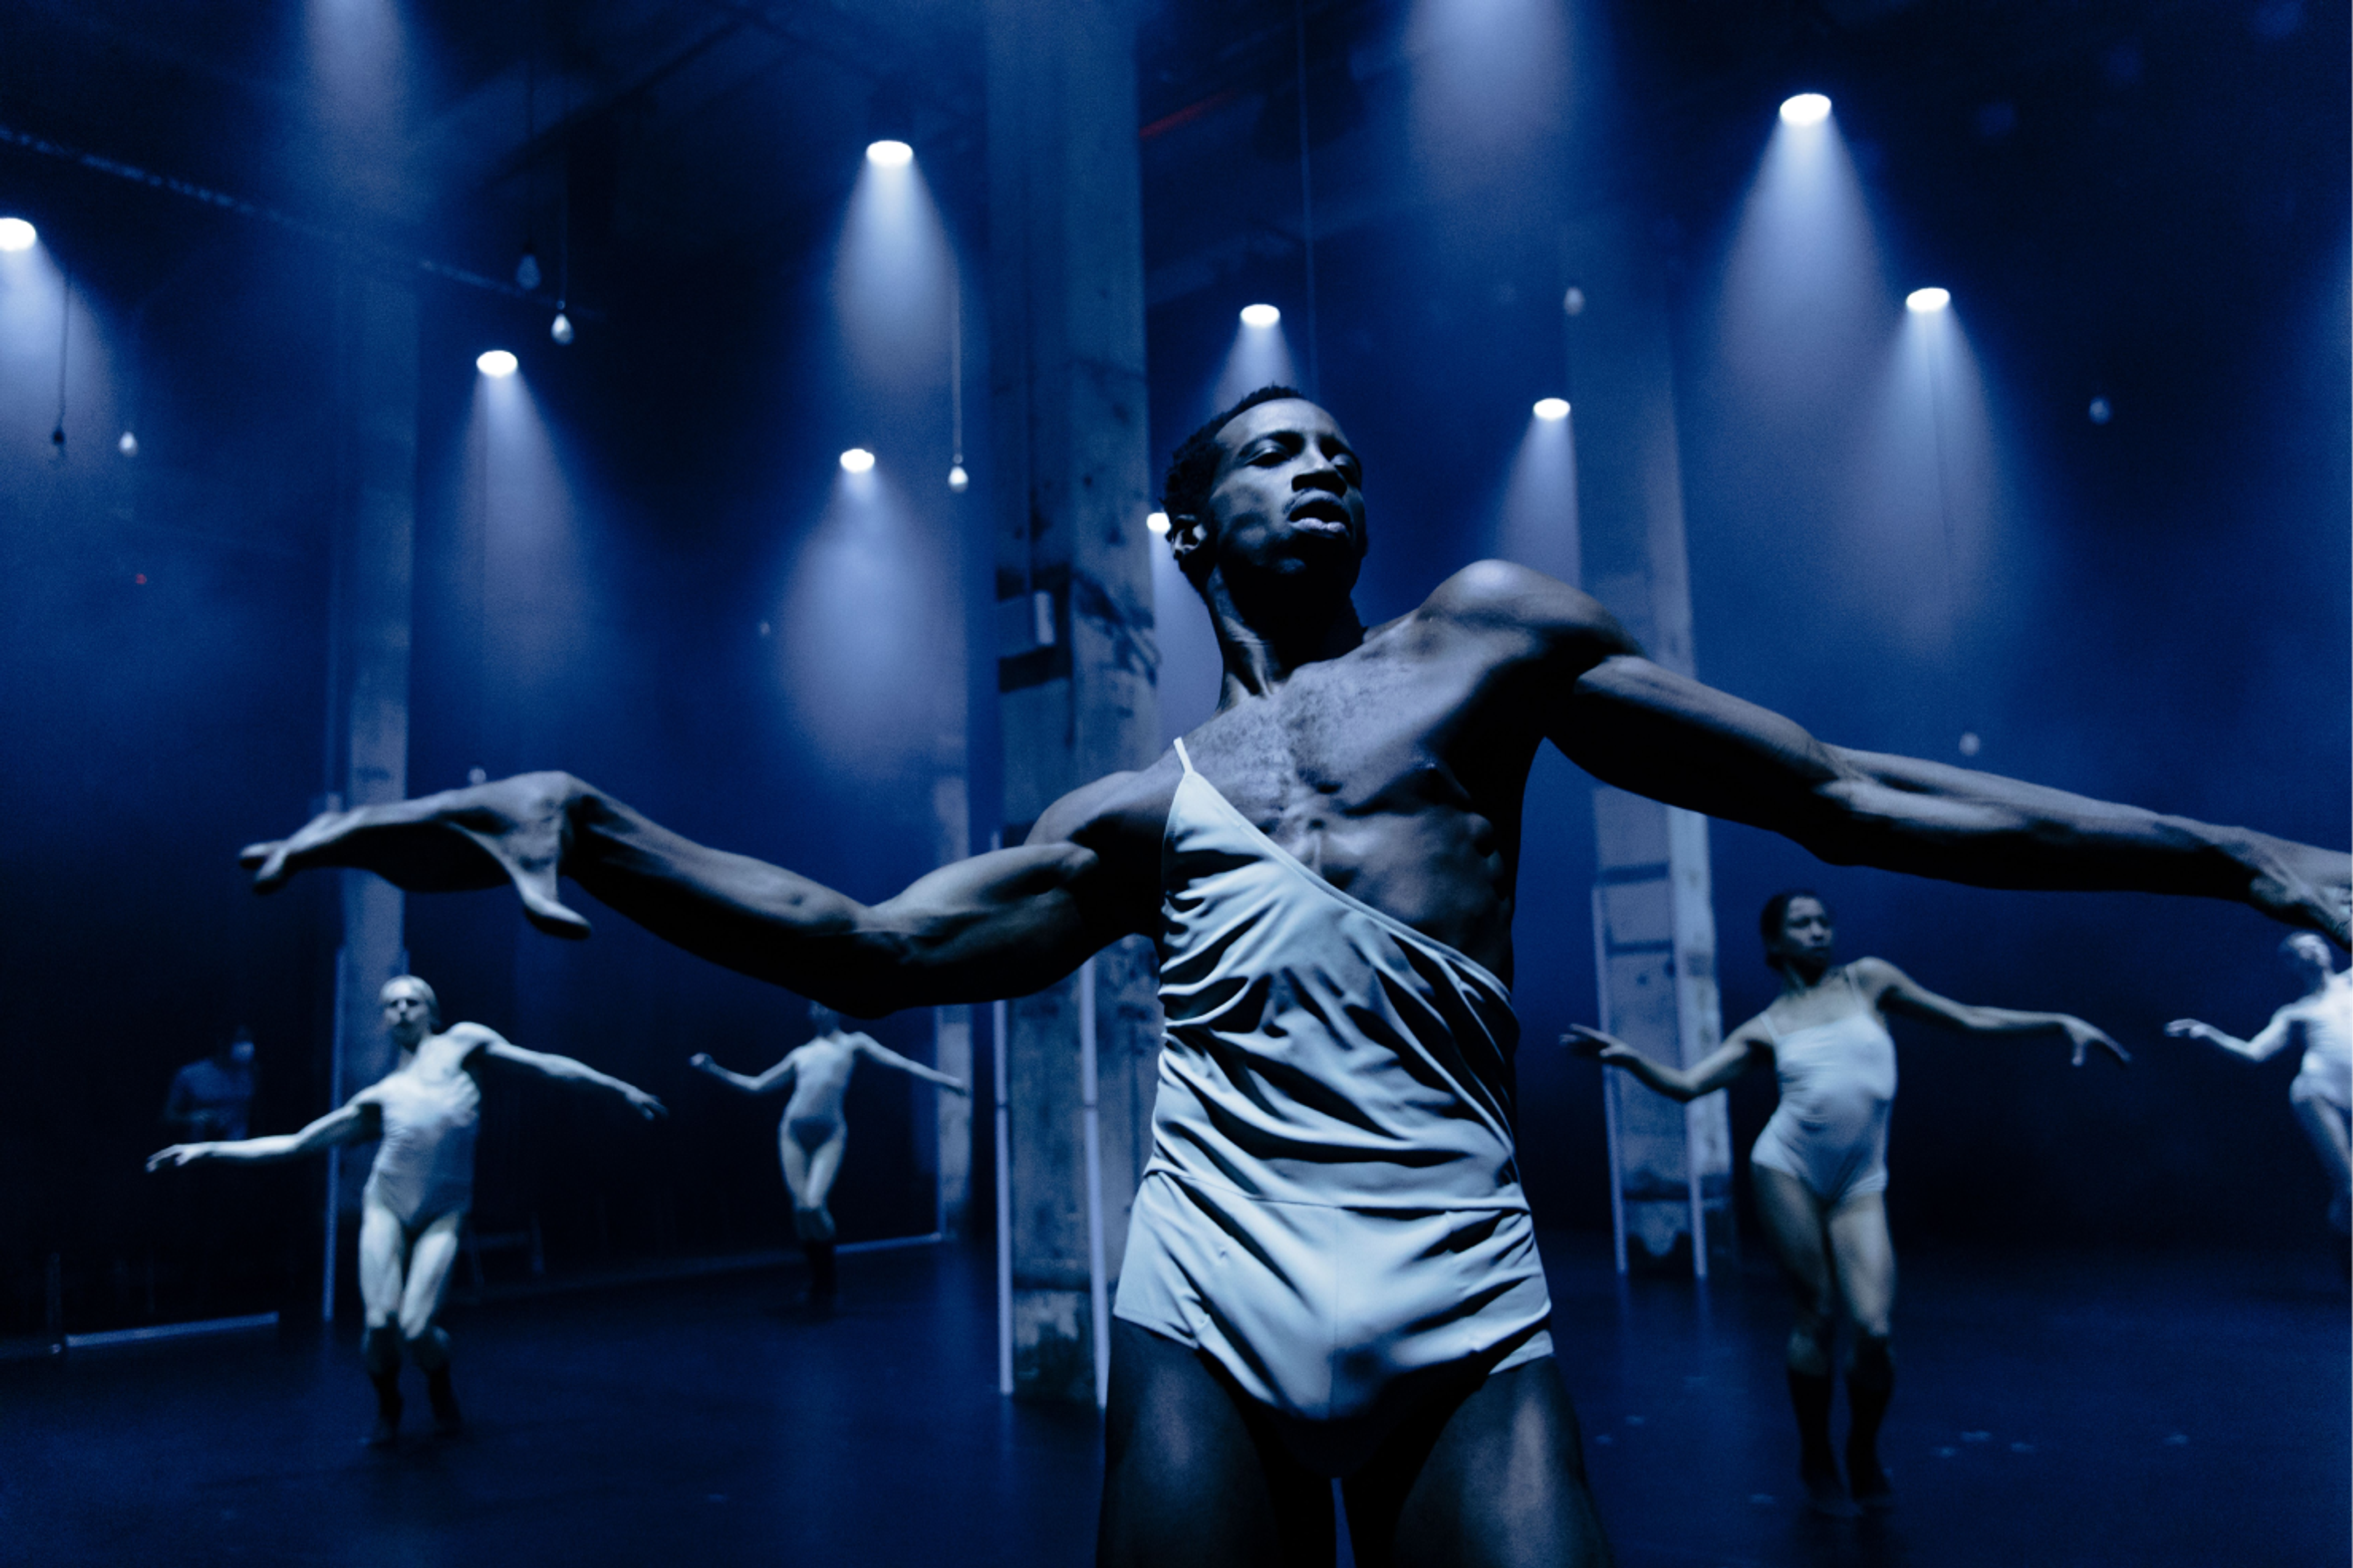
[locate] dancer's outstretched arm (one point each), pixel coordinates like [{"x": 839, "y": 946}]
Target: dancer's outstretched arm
[
  {"x": 563, "y": 1069},
  {"x": 2275, "y": 1035},
  {"x": 1720, "y": 1066},
  {"x": 760, "y": 1085},
  {"x": 1001, "y": 924},
  {"x": 353, "y": 1123},
  {"x": 883, "y": 1054},
  {"x": 1893, "y": 991}
]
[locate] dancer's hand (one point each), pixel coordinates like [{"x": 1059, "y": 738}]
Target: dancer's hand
[
  {"x": 702, "y": 1061},
  {"x": 645, "y": 1104},
  {"x": 2191, "y": 1029},
  {"x": 514, "y": 831},
  {"x": 1595, "y": 1046},
  {"x": 2084, "y": 1037},
  {"x": 179, "y": 1155},
  {"x": 2300, "y": 885}
]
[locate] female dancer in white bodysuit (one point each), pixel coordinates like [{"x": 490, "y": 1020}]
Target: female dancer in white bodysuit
[
  {"x": 2322, "y": 1094},
  {"x": 1820, "y": 1165},
  {"x": 425, "y": 1113}
]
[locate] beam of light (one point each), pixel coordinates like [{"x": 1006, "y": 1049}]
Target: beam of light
[
  {"x": 891, "y": 289},
  {"x": 16, "y": 234},
  {"x": 354, "y": 151},
  {"x": 890, "y": 153},
  {"x": 1551, "y": 408},
  {"x": 1924, "y": 300},
  {"x": 496, "y": 363},
  {"x": 1260, "y": 356},
  {"x": 1538, "y": 527},
  {"x": 1260, "y": 316},
  {"x": 539, "y": 604},
  {"x": 1806, "y": 109},
  {"x": 1491, "y": 84},
  {"x": 857, "y": 460},
  {"x": 33, "y": 299},
  {"x": 1157, "y": 522}
]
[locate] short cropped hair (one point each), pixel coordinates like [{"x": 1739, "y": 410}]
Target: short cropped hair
[
  {"x": 432, "y": 1002},
  {"x": 1777, "y": 910},
  {"x": 1185, "y": 491}
]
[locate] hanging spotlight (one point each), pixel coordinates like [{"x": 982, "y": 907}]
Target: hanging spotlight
[
  {"x": 857, "y": 460},
  {"x": 128, "y": 446},
  {"x": 1926, "y": 300},
  {"x": 1573, "y": 302},
  {"x": 1805, "y": 108},
  {"x": 1552, "y": 408},
  {"x": 2101, "y": 411},
  {"x": 1261, "y": 315},
  {"x": 1157, "y": 522},
  {"x": 560, "y": 329},
  {"x": 890, "y": 153},
  {"x": 958, "y": 481},
  {"x": 16, "y": 234},
  {"x": 527, "y": 274},
  {"x": 496, "y": 363}
]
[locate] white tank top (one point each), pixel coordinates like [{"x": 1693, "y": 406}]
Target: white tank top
[{"x": 432, "y": 1109}]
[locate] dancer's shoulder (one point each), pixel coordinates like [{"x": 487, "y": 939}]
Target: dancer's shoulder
[{"x": 1504, "y": 598}]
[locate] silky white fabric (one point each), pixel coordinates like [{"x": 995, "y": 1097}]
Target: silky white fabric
[
  {"x": 432, "y": 1109},
  {"x": 2327, "y": 1070},
  {"x": 1838, "y": 1084},
  {"x": 1332, "y": 1200}
]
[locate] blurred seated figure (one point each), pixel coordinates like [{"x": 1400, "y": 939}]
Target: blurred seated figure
[
  {"x": 812, "y": 1135},
  {"x": 2322, "y": 1021},
  {"x": 213, "y": 1099},
  {"x": 1820, "y": 1167},
  {"x": 424, "y": 1115}
]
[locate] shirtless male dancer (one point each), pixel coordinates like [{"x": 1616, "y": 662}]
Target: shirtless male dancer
[
  {"x": 1331, "y": 1269},
  {"x": 2322, "y": 1094},
  {"x": 812, "y": 1134},
  {"x": 1820, "y": 1167},
  {"x": 426, "y": 1112}
]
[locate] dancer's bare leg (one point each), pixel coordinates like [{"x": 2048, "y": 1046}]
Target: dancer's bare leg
[
  {"x": 383, "y": 1264},
  {"x": 2332, "y": 1140},
  {"x": 1799, "y": 1231},
  {"x": 1866, "y": 1262},
  {"x": 809, "y": 1173},
  {"x": 430, "y": 1258}
]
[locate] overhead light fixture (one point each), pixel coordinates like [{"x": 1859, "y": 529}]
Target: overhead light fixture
[
  {"x": 1157, "y": 522},
  {"x": 857, "y": 460},
  {"x": 1926, "y": 300},
  {"x": 527, "y": 273},
  {"x": 128, "y": 446},
  {"x": 890, "y": 153},
  {"x": 16, "y": 234},
  {"x": 496, "y": 363},
  {"x": 958, "y": 481},
  {"x": 1805, "y": 108},
  {"x": 1574, "y": 301},
  {"x": 560, "y": 329},
  {"x": 1261, "y": 315},
  {"x": 1552, "y": 408}
]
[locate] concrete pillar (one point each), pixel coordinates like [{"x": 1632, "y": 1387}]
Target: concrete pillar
[
  {"x": 375, "y": 549},
  {"x": 952, "y": 1031},
  {"x": 1076, "y": 659},
  {"x": 1654, "y": 925}
]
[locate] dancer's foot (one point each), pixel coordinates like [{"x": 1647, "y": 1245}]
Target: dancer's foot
[
  {"x": 1824, "y": 1492},
  {"x": 1871, "y": 1490},
  {"x": 446, "y": 1421},
  {"x": 387, "y": 1430}
]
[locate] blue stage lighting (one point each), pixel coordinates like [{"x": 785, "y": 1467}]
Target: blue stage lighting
[
  {"x": 16, "y": 234},
  {"x": 1261, "y": 315},
  {"x": 888, "y": 153},
  {"x": 1805, "y": 108},
  {"x": 1552, "y": 407},
  {"x": 496, "y": 363},
  {"x": 857, "y": 460},
  {"x": 958, "y": 481},
  {"x": 1926, "y": 300},
  {"x": 560, "y": 329}
]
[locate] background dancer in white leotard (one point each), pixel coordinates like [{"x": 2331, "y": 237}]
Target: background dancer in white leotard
[
  {"x": 1386, "y": 764},
  {"x": 2322, "y": 1018},
  {"x": 1820, "y": 1164},
  {"x": 812, "y": 1134},
  {"x": 425, "y": 1113}
]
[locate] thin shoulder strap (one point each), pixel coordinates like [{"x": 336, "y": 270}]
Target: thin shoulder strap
[{"x": 1184, "y": 757}]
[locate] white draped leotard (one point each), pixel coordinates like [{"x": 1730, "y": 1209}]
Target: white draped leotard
[
  {"x": 1837, "y": 1083},
  {"x": 2327, "y": 1069},
  {"x": 431, "y": 1111},
  {"x": 1332, "y": 1202}
]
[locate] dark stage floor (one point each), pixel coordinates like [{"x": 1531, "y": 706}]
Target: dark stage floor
[{"x": 2098, "y": 1410}]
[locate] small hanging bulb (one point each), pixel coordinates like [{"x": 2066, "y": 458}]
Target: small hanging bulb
[
  {"x": 560, "y": 329},
  {"x": 527, "y": 269},
  {"x": 958, "y": 481},
  {"x": 128, "y": 446}
]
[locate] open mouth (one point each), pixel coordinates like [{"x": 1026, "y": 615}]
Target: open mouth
[{"x": 1325, "y": 509}]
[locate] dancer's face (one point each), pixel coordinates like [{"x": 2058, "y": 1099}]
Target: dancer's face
[
  {"x": 1806, "y": 932},
  {"x": 1288, "y": 498},
  {"x": 2307, "y": 955},
  {"x": 407, "y": 1013}
]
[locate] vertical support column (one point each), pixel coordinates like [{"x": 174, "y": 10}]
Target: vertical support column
[
  {"x": 1655, "y": 925},
  {"x": 952, "y": 1028},
  {"x": 1076, "y": 658},
  {"x": 375, "y": 562}
]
